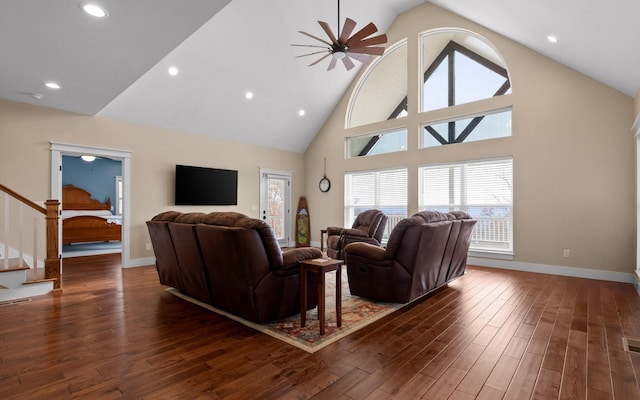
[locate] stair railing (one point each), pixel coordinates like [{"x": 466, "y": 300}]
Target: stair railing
[{"x": 51, "y": 214}]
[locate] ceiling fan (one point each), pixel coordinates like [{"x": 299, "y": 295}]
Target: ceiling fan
[{"x": 346, "y": 46}]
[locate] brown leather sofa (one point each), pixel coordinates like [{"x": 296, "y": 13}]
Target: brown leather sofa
[
  {"x": 232, "y": 262},
  {"x": 424, "y": 252},
  {"x": 368, "y": 227}
]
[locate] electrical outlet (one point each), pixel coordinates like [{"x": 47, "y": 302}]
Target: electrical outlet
[
  {"x": 148, "y": 246},
  {"x": 566, "y": 253}
]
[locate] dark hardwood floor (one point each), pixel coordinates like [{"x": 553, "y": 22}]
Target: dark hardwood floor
[{"x": 491, "y": 334}]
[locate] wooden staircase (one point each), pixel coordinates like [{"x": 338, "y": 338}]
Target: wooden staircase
[
  {"x": 21, "y": 278},
  {"x": 20, "y": 282}
]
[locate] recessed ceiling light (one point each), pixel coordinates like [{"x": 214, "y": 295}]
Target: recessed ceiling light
[
  {"x": 52, "y": 85},
  {"x": 88, "y": 158},
  {"x": 301, "y": 113},
  {"x": 552, "y": 39},
  {"x": 249, "y": 95},
  {"x": 173, "y": 71},
  {"x": 94, "y": 10}
]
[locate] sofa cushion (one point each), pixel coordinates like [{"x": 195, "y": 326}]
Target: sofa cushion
[
  {"x": 268, "y": 237},
  {"x": 166, "y": 216},
  {"x": 459, "y": 215},
  {"x": 397, "y": 235},
  {"x": 223, "y": 218},
  {"x": 190, "y": 218},
  {"x": 433, "y": 216}
]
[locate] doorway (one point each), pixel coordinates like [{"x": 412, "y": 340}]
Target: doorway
[
  {"x": 58, "y": 150},
  {"x": 97, "y": 177},
  {"x": 275, "y": 203}
]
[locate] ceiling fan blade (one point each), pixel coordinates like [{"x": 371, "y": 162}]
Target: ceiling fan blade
[
  {"x": 310, "y": 54},
  {"x": 347, "y": 62},
  {"x": 363, "y": 58},
  {"x": 328, "y": 31},
  {"x": 332, "y": 64},
  {"x": 374, "y": 51},
  {"x": 311, "y": 45},
  {"x": 347, "y": 28},
  {"x": 319, "y": 59},
  {"x": 381, "y": 39},
  {"x": 368, "y": 30},
  {"x": 316, "y": 38}
]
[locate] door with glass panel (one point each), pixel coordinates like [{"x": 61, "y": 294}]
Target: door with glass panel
[{"x": 275, "y": 203}]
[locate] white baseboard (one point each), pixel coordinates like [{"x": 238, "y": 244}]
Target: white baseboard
[
  {"x": 139, "y": 262},
  {"x": 612, "y": 276}
]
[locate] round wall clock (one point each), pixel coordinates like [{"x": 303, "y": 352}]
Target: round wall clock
[{"x": 325, "y": 184}]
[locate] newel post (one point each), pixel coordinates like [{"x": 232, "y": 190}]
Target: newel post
[{"x": 52, "y": 262}]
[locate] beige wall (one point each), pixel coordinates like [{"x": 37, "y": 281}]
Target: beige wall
[
  {"x": 636, "y": 104},
  {"x": 572, "y": 147},
  {"x": 25, "y": 160}
]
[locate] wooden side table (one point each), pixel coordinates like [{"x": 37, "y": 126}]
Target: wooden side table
[{"x": 320, "y": 266}]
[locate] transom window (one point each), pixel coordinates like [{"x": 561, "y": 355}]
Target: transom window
[
  {"x": 377, "y": 143},
  {"x": 467, "y": 129}
]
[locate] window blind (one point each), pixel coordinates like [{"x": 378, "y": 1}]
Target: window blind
[
  {"x": 484, "y": 189},
  {"x": 385, "y": 190}
]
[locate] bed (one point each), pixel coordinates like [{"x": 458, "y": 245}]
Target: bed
[{"x": 87, "y": 220}]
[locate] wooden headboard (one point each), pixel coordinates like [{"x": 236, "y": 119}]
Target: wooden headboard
[{"x": 75, "y": 198}]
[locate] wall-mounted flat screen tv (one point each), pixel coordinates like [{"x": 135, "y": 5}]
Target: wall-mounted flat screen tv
[{"x": 199, "y": 186}]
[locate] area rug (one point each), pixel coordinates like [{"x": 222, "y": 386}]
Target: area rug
[{"x": 357, "y": 313}]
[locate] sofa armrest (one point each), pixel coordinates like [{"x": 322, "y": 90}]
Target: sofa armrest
[
  {"x": 291, "y": 257},
  {"x": 366, "y": 250},
  {"x": 354, "y": 232},
  {"x": 334, "y": 230}
]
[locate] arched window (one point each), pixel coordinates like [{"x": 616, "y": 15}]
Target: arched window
[
  {"x": 454, "y": 67},
  {"x": 459, "y": 67},
  {"x": 381, "y": 93}
]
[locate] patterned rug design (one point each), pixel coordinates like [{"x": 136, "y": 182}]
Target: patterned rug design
[{"x": 357, "y": 313}]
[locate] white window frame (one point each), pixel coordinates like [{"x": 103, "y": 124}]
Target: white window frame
[{"x": 119, "y": 194}]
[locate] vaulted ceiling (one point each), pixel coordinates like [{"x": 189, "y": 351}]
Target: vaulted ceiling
[{"x": 116, "y": 67}]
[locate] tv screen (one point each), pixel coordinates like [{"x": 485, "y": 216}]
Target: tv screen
[{"x": 199, "y": 186}]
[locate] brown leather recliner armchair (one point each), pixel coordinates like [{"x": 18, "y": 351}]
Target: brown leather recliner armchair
[
  {"x": 424, "y": 252},
  {"x": 247, "y": 272},
  {"x": 368, "y": 228}
]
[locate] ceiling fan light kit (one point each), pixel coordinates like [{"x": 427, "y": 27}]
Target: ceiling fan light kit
[{"x": 346, "y": 47}]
